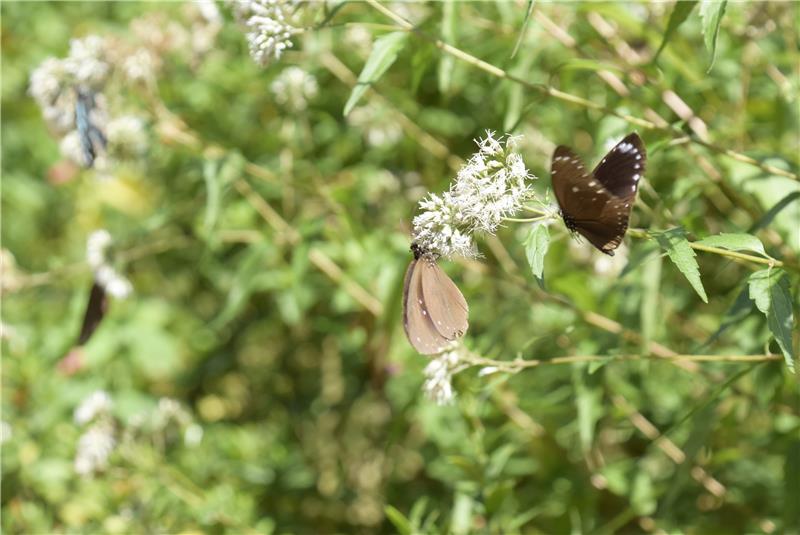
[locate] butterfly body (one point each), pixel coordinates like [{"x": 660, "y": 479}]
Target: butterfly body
[
  {"x": 434, "y": 310},
  {"x": 597, "y": 205}
]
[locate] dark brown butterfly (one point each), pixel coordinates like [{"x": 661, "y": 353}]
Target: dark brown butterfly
[
  {"x": 598, "y": 205},
  {"x": 434, "y": 311},
  {"x": 95, "y": 310}
]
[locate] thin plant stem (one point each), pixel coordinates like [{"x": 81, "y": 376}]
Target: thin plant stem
[
  {"x": 513, "y": 366},
  {"x": 574, "y": 99}
]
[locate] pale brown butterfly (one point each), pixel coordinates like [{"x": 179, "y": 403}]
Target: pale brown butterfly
[{"x": 434, "y": 310}]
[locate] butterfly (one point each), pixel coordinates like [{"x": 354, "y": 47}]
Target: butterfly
[
  {"x": 95, "y": 310},
  {"x": 598, "y": 204},
  {"x": 434, "y": 310},
  {"x": 93, "y": 141}
]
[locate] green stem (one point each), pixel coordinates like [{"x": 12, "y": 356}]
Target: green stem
[
  {"x": 641, "y": 233},
  {"x": 675, "y": 132}
]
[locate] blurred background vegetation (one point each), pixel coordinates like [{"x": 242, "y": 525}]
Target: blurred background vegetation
[{"x": 258, "y": 376}]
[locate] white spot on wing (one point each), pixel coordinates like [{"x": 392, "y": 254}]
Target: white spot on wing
[{"x": 575, "y": 189}]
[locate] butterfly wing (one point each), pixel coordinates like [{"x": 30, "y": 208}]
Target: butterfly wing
[
  {"x": 416, "y": 321},
  {"x": 445, "y": 305},
  {"x": 598, "y": 206},
  {"x": 95, "y": 310},
  {"x": 578, "y": 195},
  {"x": 622, "y": 168}
]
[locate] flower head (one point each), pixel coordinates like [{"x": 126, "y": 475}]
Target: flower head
[
  {"x": 94, "y": 448},
  {"x": 98, "y": 403},
  {"x": 492, "y": 185},
  {"x": 294, "y": 87},
  {"x": 438, "y": 375},
  {"x": 268, "y": 29}
]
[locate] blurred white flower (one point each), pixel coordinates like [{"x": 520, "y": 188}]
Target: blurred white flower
[
  {"x": 268, "y": 28},
  {"x": 378, "y": 124},
  {"x": 71, "y": 147},
  {"x": 193, "y": 435},
  {"x": 98, "y": 403},
  {"x": 140, "y": 66},
  {"x": 168, "y": 411},
  {"x": 438, "y": 374},
  {"x": 492, "y": 185},
  {"x": 294, "y": 87},
  {"x": 104, "y": 273},
  {"x": 87, "y": 61},
  {"x": 94, "y": 448},
  {"x": 488, "y": 370},
  {"x": 127, "y": 136}
]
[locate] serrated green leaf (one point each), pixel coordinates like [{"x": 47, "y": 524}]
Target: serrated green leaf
[
  {"x": 769, "y": 289},
  {"x": 398, "y": 520},
  {"x": 383, "y": 55},
  {"x": 675, "y": 244},
  {"x": 711, "y": 12},
  {"x": 680, "y": 12},
  {"x": 447, "y": 62},
  {"x": 735, "y": 242},
  {"x": 536, "y": 244},
  {"x": 522, "y": 30}
]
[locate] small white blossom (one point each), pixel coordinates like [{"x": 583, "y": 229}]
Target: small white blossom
[
  {"x": 94, "y": 448},
  {"x": 380, "y": 127},
  {"x": 492, "y": 185},
  {"x": 126, "y": 136},
  {"x": 97, "y": 404},
  {"x": 438, "y": 376},
  {"x": 87, "y": 61},
  {"x": 269, "y": 30},
  {"x": 104, "y": 273},
  {"x": 294, "y": 87},
  {"x": 71, "y": 148},
  {"x": 140, "y": 66},
  {"x": 168, "y": 411}
]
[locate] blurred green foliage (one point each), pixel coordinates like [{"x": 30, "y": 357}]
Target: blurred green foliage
[{"x": 278, "y": 329}]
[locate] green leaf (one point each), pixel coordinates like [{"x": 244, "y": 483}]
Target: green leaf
[
  {"x": 769, "y": 289},
  {"x": 588, "y": 65},
  {"x": 735, "y": 242},
  {"x": 447, "y": 62},
  {"x": 711, "y": 11},
  {"x": 398, "y": 520},
  {"x": 536, "y": 244},
  {"x": 677, "y": 247},
  {"x": 523, "y": 29},
  {"x": 213, "y": 195},
  {"x": 384, "y": 53},
  {"x": 680, "y": 12}
]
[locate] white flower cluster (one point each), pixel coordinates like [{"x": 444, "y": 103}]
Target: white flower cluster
[
  {"x": 53, "y": 83},
  {"x": 492, "y": 185},
  {"x": 96, "y": 443},
  {"x": 106, "y": 276},
  {"x": 379, "y": 127},
  {"x": 97, "y": 404},
  {"x": 294, "y": 87},
  {"x": 127, "y": 136},
  {"x": 438, "y": 375},
  {"x": 268, "y": 29}
]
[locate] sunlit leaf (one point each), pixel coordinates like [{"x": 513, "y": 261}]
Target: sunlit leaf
[
  {"x": 524, "y": 27},
  {"x": 680, "y": 12},
  {"x": 384, "y": 54},
  {"x": 677, "y": 247},
  {"x": 711, "y": 12},
  {"x": 536, "y": 244},
  {"x": 769, "y": 289},
  {"x": 735, "y": 242}
]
